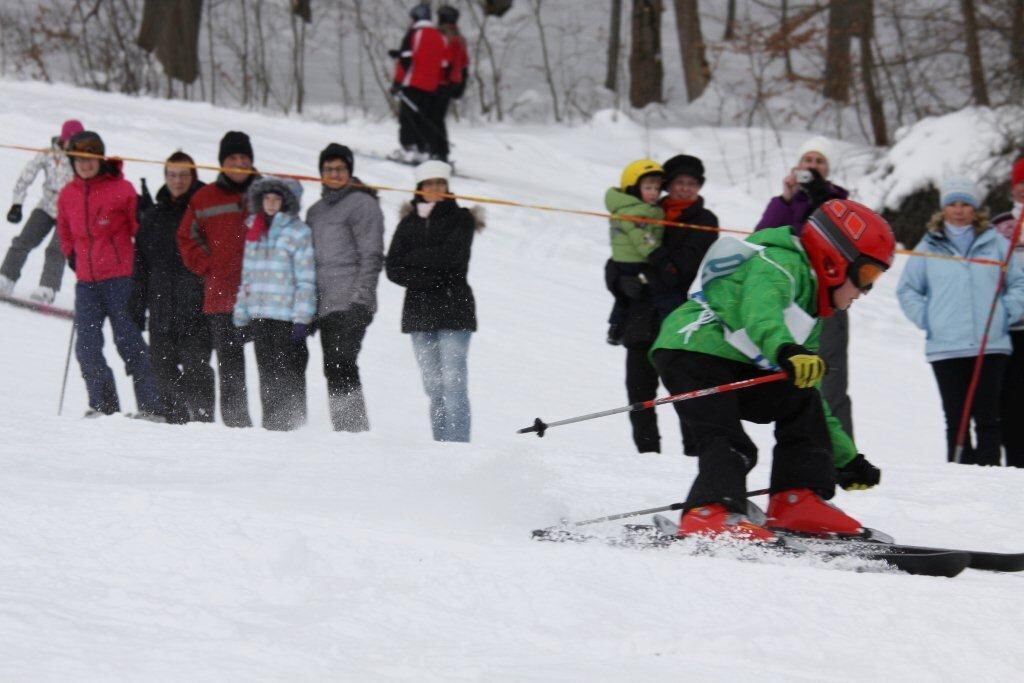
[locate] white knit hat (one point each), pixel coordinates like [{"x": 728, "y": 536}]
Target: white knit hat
[
  {"x": 433, "y": 169},
  {"x": 819, "y": 144}
]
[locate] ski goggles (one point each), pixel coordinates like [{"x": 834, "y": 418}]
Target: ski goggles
[{"x": 864, "y": 271}]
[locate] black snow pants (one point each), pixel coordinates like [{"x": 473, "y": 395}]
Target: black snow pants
[
  {"x": 953, "y": 377},
  {"x": 282, "y": 368}
]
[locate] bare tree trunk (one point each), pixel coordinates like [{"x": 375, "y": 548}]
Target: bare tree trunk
[
  {"x": 548, "y": 75},
  {"x": 867, "y": 73},
  {"x": 244, "y": 57},
  {"x": 611, "y": 79},
  {"x": 1017, "y": 45},
  {"x": 212, "y": 57},
  {"x": 691, "y": 45},
  {"x": 299, "y": 60},
  {"x": 645, "y": 68},
  {"x": 786, "y": 30},
  {"x": 837, "y": 51},
  {"x": 978, "y": 88},
  {"x": 730, "y": 21}
]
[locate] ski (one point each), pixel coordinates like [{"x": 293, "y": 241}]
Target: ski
[
  {"x": 411, "y": 164},
  {"x": 39, "y": 307},
  {"x": 940, "y": 563},
  {"x": 979, "y": 559}
]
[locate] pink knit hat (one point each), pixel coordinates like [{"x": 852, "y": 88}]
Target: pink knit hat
[{"x": 70, "y": 128}]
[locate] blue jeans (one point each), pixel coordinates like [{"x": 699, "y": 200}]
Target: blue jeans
[
  {"x": 441, "y": 356},
  {"x": 94, "y": 303}
]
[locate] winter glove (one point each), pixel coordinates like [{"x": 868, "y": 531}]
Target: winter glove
[
  {"x": 394, "y": 54},
  {"x": 858, "y": 475},
  {"x": 14, "y": 215},
  {"x": 631, "y": 286},
  {"x": 395, "y": 89},
  {"x": 805, "y": 369},
  {"x": 71, "y": 262},
  {"x": 299, "y": 332},
  {"x": 817, "y": 189}
]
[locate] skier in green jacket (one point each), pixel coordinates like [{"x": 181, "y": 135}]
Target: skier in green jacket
[{"x": 755, "y": 308}]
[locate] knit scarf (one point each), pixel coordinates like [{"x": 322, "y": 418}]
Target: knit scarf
[
  {"x": 333, "y": 195},
  {"x": 675, "y": 207},
  {"x": 258, "y": 228}
]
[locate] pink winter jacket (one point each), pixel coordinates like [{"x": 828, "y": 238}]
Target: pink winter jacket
[{"x": 96, "y": 222}]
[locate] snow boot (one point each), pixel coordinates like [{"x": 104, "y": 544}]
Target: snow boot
[
  {"x": 717, "y": 521},
  {"x": 43, "y": 295},
  {"x": 804, "y": 511}
]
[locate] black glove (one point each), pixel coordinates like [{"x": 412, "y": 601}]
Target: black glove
[
  {"x": 71, "y": 262},
  {"x": 299, "y": 332},
  {"x": 395, "y": 89},
  {"x": 858, "y": 475},
  {"x": 817, "y": 189},
  {"x": 394, "y": 54},
  {"x": 631, "y": 286},
  {"x": 14, "y": 215},
  {"x": 805, "y": 369}
]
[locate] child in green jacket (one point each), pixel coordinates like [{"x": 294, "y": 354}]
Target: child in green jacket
[
  {"x": 755, "y": 308},
  {"x": 632, "y": 241}
]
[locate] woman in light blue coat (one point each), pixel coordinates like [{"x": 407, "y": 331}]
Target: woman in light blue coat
[{"x": 950, "y": 300}]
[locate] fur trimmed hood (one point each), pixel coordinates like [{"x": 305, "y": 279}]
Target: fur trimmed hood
[
  {"x": 478, "y": 212},
  {"x": 288, "y": 188}
]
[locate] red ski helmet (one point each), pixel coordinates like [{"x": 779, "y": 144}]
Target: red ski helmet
[{"x": 844, "y": 239}]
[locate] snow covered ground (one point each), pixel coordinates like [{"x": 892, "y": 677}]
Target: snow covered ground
[{"x": 136, "y": 551}]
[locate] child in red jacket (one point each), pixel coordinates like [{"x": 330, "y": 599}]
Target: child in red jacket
[{"x": 96, "y": 223}]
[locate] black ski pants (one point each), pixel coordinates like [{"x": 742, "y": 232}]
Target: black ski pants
[
  {"x": 421, "y": 122},
  {"x": 953, "y": 377},
  {"x": 803, "y": 448},
  {"x": 642, "y": 385},
  {"x": 835, "y": 340},
  {"x": 181, "y": 361},
  {"x": 229, "y": 343},
  {"x": 282, "y": 368},
  {"x": 341, "y": 337},
  {"x": 37, "y": 227},
  {"x": 1012, "y": 404}
]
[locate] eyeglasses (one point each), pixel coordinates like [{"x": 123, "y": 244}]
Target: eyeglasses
[
  {"x": 864, "y": 271},
  {"x": 178, "y": 175}
]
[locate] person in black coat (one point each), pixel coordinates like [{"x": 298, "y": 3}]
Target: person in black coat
[
  {"x": 429, "y": 256},
  {"x": 179, "y": 337},
  {"x": 662, "y": 286}
]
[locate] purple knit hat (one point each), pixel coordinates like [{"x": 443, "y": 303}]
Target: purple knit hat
[{"x": 71, "y": 128}]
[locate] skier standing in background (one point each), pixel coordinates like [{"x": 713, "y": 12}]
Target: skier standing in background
[
  {"x": 96, "y": 223},
  {"x": 759, "y": 308},
  {"x": 419, "y": 72},
  {"x": 57, "y": 172}
]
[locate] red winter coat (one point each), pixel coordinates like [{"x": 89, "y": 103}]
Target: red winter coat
[
  {"x": 423, "y": 58},
  {"x": 96, "y": 224},
  {"x": 458, "y": 60},
  {"x": 211, "y": 239}
]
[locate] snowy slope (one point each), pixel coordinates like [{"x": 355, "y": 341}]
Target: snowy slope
[{"x": 139, "y": 551}]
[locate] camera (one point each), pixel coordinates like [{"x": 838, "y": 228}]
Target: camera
[{"x": 803, "y": 176}]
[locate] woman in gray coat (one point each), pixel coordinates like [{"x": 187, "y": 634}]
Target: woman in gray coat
[{"x": 348, "y": 246}]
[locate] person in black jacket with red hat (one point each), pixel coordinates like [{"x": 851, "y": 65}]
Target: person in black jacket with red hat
[
  {"x": 662, "y": 286},
  {"x": 179, "y": 337},
  {"x": 429, "y": 256}
]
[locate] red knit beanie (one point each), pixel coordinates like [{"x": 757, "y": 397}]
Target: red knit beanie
[{"x": 1017, "y": 177}]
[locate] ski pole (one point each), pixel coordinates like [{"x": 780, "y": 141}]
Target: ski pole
[
  {"x": 67, "y": 366},
  {"x": 540, "y": 426},
  {"x": 651, "y": 511},
  {"x": 965, "y": 417}
]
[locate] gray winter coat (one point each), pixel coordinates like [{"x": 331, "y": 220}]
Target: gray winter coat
[{"x": 348, "y": 245}]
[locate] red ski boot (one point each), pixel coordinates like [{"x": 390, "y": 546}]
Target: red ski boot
[
  {"x": 804, "y": 511},
  {"x": 714, "y": 521}
]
